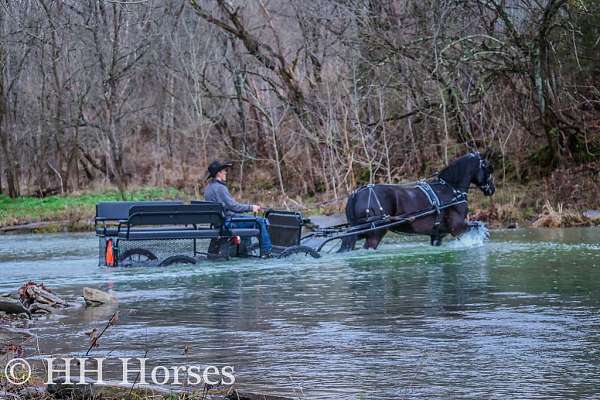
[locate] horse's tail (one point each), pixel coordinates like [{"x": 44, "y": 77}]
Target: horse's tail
[
  {"x": 350, "y": 208},
  {"x": 350, "y": 205},
  {"x": 349, "y": 242}
]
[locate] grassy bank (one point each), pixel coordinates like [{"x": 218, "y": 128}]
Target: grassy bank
[{"x": 73, "y": 212}]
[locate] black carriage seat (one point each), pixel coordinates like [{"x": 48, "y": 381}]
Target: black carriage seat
[
  {"x": 184, "y": 221},
  {"x": 210, "y": 214},
  {"x": 108, "y": 212},
  {"x": 285, "y": 228}
]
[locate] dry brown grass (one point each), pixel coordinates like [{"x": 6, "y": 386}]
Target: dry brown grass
[{"x": 559, "y": 217}]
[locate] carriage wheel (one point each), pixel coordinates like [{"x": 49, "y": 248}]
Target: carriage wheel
[
  {"x": 179, "y": 259},
  {"x": 306, "y": 250},
  {"x": 136, "y": 256},
  {"x": 253, "y": 249}
]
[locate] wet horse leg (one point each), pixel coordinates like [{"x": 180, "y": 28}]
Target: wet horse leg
[
  {"x": 348, "y": 244},
  {"x": 436, "y": 240},
  {"x": 458, "y": 224},
  {"x": 373, "y": 239}
]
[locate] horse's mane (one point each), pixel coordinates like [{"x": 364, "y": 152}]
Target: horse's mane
[{"x": 456, "y": 170}]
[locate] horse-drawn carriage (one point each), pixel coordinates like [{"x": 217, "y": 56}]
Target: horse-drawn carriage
[{"x": 170, "y": 232}]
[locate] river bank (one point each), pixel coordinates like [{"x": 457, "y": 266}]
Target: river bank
[{"x": 74, "y": 212}]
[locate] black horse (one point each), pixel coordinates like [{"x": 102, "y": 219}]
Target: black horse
[{"x": 451, "y": 185}]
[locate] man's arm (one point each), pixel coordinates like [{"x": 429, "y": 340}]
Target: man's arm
[{"x": 230, "y": 202}]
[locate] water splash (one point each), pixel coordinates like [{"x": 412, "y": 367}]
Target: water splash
[{"x": 475, "y": 236}]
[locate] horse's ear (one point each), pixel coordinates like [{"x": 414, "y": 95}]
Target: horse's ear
[{"x": 491, "y": 155}]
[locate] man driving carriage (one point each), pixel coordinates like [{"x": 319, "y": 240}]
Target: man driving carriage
[{"x": 217, "y": 191}]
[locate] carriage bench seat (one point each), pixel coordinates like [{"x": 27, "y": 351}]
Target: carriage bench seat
[
  {"x": 112, "y": 212},
  {"x": 119, "y": 210},
  {"x": 197, "y": 221}
]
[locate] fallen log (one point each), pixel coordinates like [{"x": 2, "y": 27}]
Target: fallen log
[
  {"x": 39, "y": 308},
  {"x": 32, "y": 226},
  {"x": 31, "y": 293},
  {"x": 11, "y": 306}
]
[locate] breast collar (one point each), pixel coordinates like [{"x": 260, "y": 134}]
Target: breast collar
[{"x": 433, "y": 197}]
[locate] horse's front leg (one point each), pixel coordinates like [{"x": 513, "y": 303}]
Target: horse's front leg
[
  {"x": 348, "y": 244},
  {"x": 436, "y": 240},
  {"x": 458, "y": 223},
  {"x": 475, "y": 224},
  {"x": 373, "y": 239}
]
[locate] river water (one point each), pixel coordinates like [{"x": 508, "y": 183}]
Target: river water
[{"x": 514, "y": 317}]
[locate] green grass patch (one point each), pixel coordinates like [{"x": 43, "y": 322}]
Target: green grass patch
[{"x": 71, "y": 207}]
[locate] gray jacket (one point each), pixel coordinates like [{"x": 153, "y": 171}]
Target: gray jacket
[{"x": 218, "y": 192}]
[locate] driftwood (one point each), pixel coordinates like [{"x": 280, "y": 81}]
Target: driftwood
[
  {"x": 34, "y": 299},
  {"x": 24, "y": 228},
  {"x": 11, "y": 306},
  {"x": 31, "y": 293},
  {"x": 39, "y": 308}
]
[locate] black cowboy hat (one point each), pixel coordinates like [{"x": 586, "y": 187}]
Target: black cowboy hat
[{"x": 215, "y": 167}]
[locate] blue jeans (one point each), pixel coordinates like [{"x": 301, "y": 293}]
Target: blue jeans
[{"x": 265, "y": 238}]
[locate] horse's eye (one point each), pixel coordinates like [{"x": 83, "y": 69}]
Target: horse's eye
[{"x": 487, "y": 166}]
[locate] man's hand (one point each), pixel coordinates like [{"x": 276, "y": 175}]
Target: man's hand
[{"x": 255, "y": 208}]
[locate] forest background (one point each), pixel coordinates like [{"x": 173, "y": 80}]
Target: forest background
[{"x": 106, "y": 99}]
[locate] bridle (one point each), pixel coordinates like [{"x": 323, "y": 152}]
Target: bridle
[
  {"x": 485, "y": 165},
  {"x": 487, "y": 187}
]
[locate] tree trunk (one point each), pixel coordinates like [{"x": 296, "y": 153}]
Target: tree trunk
[{"x": 12, "y": 166}]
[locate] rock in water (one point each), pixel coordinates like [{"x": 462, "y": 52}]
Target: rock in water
[{"x": 95, "y": 297}]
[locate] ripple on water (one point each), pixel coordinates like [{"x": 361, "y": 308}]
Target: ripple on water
[{"x": 515, "y": 316}]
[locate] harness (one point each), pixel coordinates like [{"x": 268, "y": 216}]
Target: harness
[
  {"x": 435, "y": 202},
  {"x": 377, "y": 212},
  {"x": 372, "y": 194}
]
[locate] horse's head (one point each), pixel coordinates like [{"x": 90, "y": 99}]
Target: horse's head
[
  {"x": 483, "y": 177},
  {"x": 470, "y": 169}
]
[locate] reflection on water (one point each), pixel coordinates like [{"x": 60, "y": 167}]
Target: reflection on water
[{"x": 514, "y": 317}]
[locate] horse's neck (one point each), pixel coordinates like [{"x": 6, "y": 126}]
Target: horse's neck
[{"x": 459, "y": 180}]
